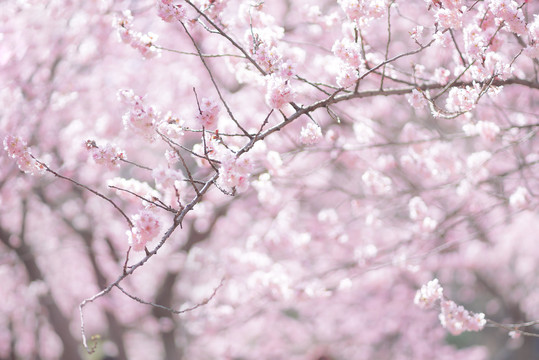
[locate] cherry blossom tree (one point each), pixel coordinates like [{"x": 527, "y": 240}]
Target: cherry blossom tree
[{"x": 246, "y": 179}]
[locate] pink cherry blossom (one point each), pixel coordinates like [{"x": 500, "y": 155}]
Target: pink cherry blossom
[
  {"x": 279, "y": 92},
  {"x": 109, "y": 155},
  {"x": 310, "y": 134},
  {"x": 140, "y": 118},
  {"x": 520, "y": 198},
  {"x": 144, "y": 43},
  {"x": 208, "y": 112},
  {"x": 418, "y": 208},
  {"x": 429, "y": 294},
  {"x": 449, "y": 18},
  {"x": 417, "y": 100},
  {"x": 456, "y": 319},
  {"x": 376, "y": 183},
  {"x": 363, "y": 11},
  {"x": 461, "y": 100},
  {"x": 417, "y": 33},
  {"x": 347, "y": 76},
  {"x": 234, "y": 172},
  {"x": 18, "y": 150},
  {"x": 348, "y": 51},
  {"x": 145, "y": 228},
  {"x": 289, "y": 176},
  {"x": 170, "y": 12},
  {"x": 510, "y": 12},
  {"x": 487, "y": 130}
]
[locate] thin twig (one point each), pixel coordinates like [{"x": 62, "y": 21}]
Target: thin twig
[
  {"x": 135, "y": 164},
  {"x": 387, "y": 43},
  {"x": 157, "y": 203},
  {"x": 514, "y": 327},
  {"x": 213, "y": 81},
  {"x": 189, "y": 175},
  {"x": 178, "y": 218},
  {"x": 86, "y": 188},
  {"x": 225, "y": 35},
  {"x": 421, "y": 48},
  {"x": 457, "y": 47},
  {"x": 166, "y": 308},
  {"x": 195, "y": 54}
]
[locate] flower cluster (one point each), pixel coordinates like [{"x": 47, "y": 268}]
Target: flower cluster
[
  {"x": 169, "y": 182},
  {"x": 416, "y": 99},
  {"x": 275, "y": 283},
  {"x": 166, "y": 178},
  {"x": 449, "y": 18},
  {"x": 144, "y": 43},
  {"x": 510, "y": 12},
  {"x": 274, "y": 163},
  {"x": 520, "y": 198},
  {"x": 18, "y": 150},
  {"x": 348, "y": 51},
  {"x": 441, "y": 75},
  {"x": 210, "y": 148},
  {"x": 475, "y": 41},
  {"x": 313, "y": 14},
  {"x": 213, "y": 8},
  {"x": 351, "y": 61},
  {"x": 429, "y": 294},
  {"x": 169, "y": 12},
  {"x": 532, "y": 50},
  {"x": 145, "y": 228},
  {"x": 419, "y": 212},
  {"x": 462, "y": 99},
  {"x": 141, "y": 119},
  {"x": 208, "y": 112},
  {"x": 263, "y": 44},
  {"x": 310, "y": 134},
  {"x": 279, "y": 92},
  {"x": 486, "y": 129},
  {"x": 109, "y": 155},
  {"x": 363, "y": 11},
  {"x": 266, "y": 55},
  {"x": 417, "y": 33},
  {"x": 235, "y": 171},
  {"x": 376, "y": 183},
  {"x": 267, "y": 193},
  {"x": 364, "y": 132},
  {"x": 347, "y": 76},
  {"x": 476, "y": 164},
  {"x": 430, "y": 159},
  {"x": 455, "y": 318},
  {"x": 448, "y": 12},
  {"x": 171, "y": 126}
]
